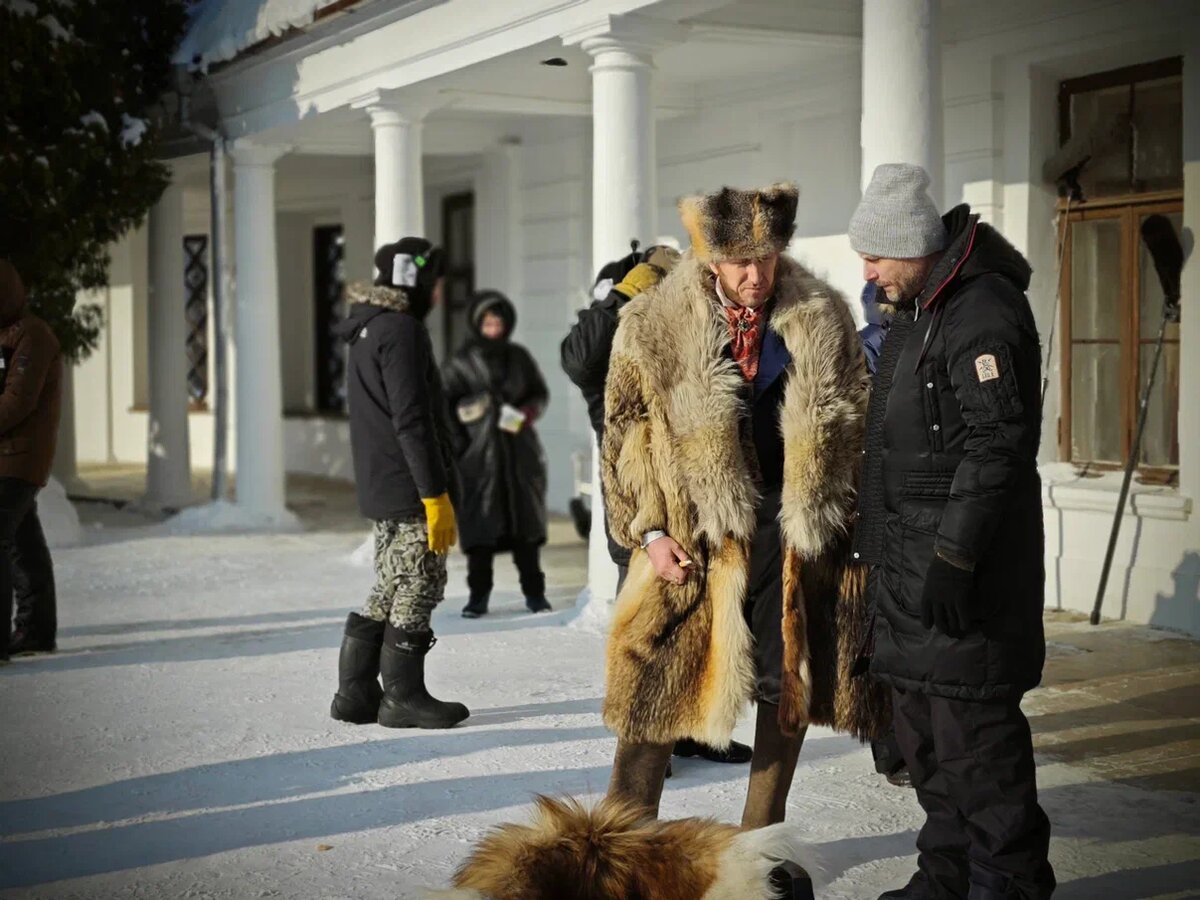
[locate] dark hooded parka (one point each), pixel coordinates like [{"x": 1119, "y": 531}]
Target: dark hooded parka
[
  {"x": 951, "y": 465},
  {"x": 503, "y": 473}
]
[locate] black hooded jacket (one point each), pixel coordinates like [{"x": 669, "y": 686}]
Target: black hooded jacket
[
  {"x": 399, "y": 435},
  {"x": 503, "y": 474},
  {"x": 951, "y": 464}
]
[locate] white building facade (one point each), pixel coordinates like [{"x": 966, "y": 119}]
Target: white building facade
[{"x": 535, "y": 139}]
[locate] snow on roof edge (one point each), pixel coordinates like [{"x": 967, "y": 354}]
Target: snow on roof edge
[{"x": 221, "y": 29}]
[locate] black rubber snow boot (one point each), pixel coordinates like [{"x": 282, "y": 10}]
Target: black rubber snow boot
[
  {"x": 26, "y": 642},
  {"x": 735, "y": 753},
  {"x": 476, "y": 606},
  {"x": 538, "y": 604},
  {"x": 406, "y": 703},
  {"x": 358, "y": 694}
]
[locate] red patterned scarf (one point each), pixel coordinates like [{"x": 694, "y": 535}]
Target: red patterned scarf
[{"x": 746, "y": 334}]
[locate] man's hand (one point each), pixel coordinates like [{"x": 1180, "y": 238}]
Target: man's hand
[
  {"x": 440, "y": 523},
  {"x": 669, "y": 560}
]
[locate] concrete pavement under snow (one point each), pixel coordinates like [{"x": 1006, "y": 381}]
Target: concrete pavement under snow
[{"x": 179, "y": 743}]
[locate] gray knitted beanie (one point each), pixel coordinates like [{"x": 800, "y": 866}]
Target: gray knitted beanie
[{"x": 896, "y": 218}]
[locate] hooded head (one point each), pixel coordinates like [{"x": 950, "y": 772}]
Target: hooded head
[
  {"x": 492, "y": 303},
  {"x": 412, "y": 265},
  {"x": 740, "y": 224},
  {"x": 12, "y": 293}
]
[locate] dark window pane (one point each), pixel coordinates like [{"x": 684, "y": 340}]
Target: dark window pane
[
  {"x": 329, "y": 282},
  {"x": 1096, "y": 403},
  {"x": 1108, "y": 172},
  {"x": 195, "y": 292},
  {"x": 1096, "y": 279},
  {"x": 1160, "y": 442},
  {"x": 1158, "y": 122}
]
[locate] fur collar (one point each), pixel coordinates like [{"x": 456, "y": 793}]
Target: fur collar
[
  {"x": 377, "y": 295},
  {"x": 678, "y": 337}
]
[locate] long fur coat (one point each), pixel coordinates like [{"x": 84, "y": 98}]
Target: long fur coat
[{"x": 677, "y": 456}]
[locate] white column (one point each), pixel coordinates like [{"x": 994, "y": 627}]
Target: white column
[
  {"x": 399, "y": 184},
  {"x": 901, "y": 87},
  {"x": 624, "y": 194},
  {"x": 168, "y": 467},
  {"x": 497, "y": 220},
  {"x": 1189, "y": 328},
  {"x": 258, "y": 378}
]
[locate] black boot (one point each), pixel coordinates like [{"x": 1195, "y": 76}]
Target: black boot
[
  {"x": 476, "y": 607},
  {"x": 538, "y": 604},
  {"x": 358, "y": 694},
  {"x": 406, "y": 703},
  {"x": 26, "y": 642},
  {"x": 735, "y": 753}
]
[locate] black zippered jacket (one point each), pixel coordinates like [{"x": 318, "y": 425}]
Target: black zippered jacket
[
  {"x": 951, "y": 466},
  {"x": 399, "y": 435}
]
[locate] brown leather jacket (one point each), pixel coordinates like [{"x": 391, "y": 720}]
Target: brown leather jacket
[{"x": 30, "y": 385}]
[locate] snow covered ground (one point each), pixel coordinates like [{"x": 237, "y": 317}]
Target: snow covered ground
[{"x": 179, "y": 744}]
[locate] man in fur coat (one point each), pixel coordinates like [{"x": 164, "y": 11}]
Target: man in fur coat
[{"x": 733, "y": 429}]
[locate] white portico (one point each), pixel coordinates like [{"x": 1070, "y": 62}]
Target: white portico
[{"x": 534, "y": 140}]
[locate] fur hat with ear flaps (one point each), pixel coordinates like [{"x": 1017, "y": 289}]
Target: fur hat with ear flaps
[{"x": 740, "y": 224}]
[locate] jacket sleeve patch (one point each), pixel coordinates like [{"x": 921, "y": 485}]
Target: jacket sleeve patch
[
  {"x": 986, "y": 383},
  {"x": 986, "y": 368}
]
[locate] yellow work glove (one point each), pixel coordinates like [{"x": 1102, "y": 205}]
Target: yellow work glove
[
  {"x": 439, "y": 521},
  {"x": 640, "y": 279}
]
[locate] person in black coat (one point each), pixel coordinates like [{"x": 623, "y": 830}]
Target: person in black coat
[
  {"x": 586, "y": 348},
  {"x": 496, "y": 394},
  {"x": 404, "y": 476},
  {"x": 950, "y": 523}
]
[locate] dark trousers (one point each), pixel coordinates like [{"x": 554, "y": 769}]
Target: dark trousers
[
  {"x": 985, "y": 836},
  {"x": 764, "y": 600},
  {"x": 25, "y": 564},
  {"x": 527, "y": 557}
]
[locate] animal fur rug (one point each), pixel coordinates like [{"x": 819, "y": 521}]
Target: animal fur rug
[{"x": 615, "y": 852}]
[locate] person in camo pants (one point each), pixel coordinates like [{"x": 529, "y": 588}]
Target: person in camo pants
[
  {"x": 410, "y": 579},
  {"x": 403, "y": 471}
]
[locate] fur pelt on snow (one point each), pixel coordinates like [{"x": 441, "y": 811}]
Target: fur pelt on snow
[
  {"x": 614, "y": 852},
  {"x": 676, "y": 457}
]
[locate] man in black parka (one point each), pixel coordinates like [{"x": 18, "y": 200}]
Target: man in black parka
[{"x": 950, "y": 522}]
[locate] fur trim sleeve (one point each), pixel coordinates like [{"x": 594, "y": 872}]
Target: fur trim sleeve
[
  {"x": 633, "y": 500},
  {"x": 822, "y": 423}
]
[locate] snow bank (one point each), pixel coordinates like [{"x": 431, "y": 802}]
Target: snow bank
[
  {"x": 364, "y": 554},
  {"x": 592, "y": 614},
  {"x": 221, "y": 29},
  {"x": 223, "y": 516},
  {"x": 59, "y": 520}
]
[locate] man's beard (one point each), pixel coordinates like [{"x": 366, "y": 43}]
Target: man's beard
[{"x": 908, "y": 283}]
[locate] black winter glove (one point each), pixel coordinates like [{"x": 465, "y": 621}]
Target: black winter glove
[{"x": 947, "y": 600}]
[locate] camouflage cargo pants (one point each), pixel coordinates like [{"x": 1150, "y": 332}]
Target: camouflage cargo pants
[{"x": 410, "y": 579}]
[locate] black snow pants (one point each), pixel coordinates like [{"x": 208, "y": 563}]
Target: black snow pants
[
  {"x": 985, "y": 836},
  {"x": 24, "y": 564},
  {"x": 527, "y": 557}
]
